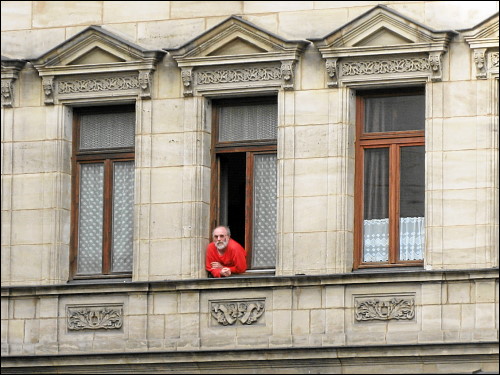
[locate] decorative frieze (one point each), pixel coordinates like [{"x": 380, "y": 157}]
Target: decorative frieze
[
  {"x": 395, "y": 308},
  {"x": 237, "y": 75},
  {"x": 385, "y": 66},
  {"x": 106, "y": 317},
  {"x": 243, "y": 311},
  {"x": 97, "y": 84}
]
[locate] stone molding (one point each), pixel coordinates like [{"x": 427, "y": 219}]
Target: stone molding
[
  {"x": 483, "y": 40},
  {"x": 263, "y": 61},
  {"x": 384, "y": 308},
  {"x": 244, "y": 311},
  {"x": 96, "y": 64},
  {"x": 93, "y": 317},
  {"x": 383, "y": 46},
  {"x": 10, "y": 74}
]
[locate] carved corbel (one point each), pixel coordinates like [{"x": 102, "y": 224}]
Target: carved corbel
[
  {"x": 288, "y": 74},
  {"x": 48, "y": 89},
  {"x": 436, "y": 66},
  {"x": 480, "y": 61},
  {"x": 7, "y": 91},
  {"x": 332, "y": 70},
  {"x": 187, "y": 81},
  {"x": 145, "y": 84}
]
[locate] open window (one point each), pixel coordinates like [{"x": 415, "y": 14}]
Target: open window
[
  {"x": 244, "y": 175},
  {"x": 390, "y": 178}
]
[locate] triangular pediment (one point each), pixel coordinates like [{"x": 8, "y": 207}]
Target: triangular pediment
[
  {"x": 96, "y": 56},
  {"x": 93, "y": 46},
  {"x": 379, "y": 29},
  {"x": 383, "y": 37},
  {"x": 483, "y": 35},
  {"x": 235, "y": 37},
  {"x": 237, "y": 46}
]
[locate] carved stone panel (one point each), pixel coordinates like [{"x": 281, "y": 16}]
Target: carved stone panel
[
  {"x": 94, "y": 317},
  {"x": 232, "y": 312},
  {"x": 384, "y": 307}
]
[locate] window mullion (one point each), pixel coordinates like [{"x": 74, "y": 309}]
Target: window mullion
[
  {"x": 394, "y": 167},
  {"x": 107, "y": 227},
  {"x": 249, "y": 206}
]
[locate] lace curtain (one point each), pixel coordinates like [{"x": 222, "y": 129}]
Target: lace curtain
[{"x": 376, "y": 239}]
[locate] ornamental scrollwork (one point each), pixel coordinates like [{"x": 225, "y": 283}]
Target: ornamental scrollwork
[
  {"x": 246, "y": 312},
  {"x": 238, "y": 75},
  {"x": 385, "y": 66},
  {"x": 98, "y": 84},
  {"x": 94, "y": 317},
  {"x": 374, "y": 309}
]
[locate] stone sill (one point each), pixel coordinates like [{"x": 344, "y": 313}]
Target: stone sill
[{"x": 365, "y": 277}]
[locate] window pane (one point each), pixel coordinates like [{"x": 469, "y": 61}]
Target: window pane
[
  {"x": 412, "y": 193},
  {"x": 107, "y": 130},
  {"x": 376, "y": 205},
  {"x": 248, "y": 122},
  {"x": 398, "y": 113},
  {"x": 91, "y": 218},
  {"x": 264, "y": 220},
  {"x": 123, "y": 214}
]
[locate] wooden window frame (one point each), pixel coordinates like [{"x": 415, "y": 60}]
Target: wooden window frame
[
  {"x": 108, "y": 157},
  {"x": 393, "y": 141},
  {"x": 250, "y": 148}
]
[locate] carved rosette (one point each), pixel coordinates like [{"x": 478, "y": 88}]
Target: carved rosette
[
  {"x": 229, "y": 312},
  {"x": 377, "y": 309},
  {"x": 105, "y": 317}
]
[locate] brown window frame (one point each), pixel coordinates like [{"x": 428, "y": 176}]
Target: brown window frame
[
  {"x": 250, "y": 148},
  {"x": 107, "y": 157},
  {"x": 393, "y": 141}
]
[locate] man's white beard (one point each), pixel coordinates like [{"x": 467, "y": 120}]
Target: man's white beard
[{"x": 221, "y": 245}]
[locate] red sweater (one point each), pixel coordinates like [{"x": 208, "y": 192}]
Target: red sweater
[{"x": 234, "y": 258}]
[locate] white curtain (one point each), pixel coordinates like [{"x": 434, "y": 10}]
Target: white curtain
[{"x": 376, "y": 239}]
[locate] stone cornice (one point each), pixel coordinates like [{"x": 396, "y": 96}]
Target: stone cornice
[
  {"x": 383, "y": 37},
  {"x": 254, "y": 46},
  {"x": 483, "y": 40},
  {"x": 10, "y": 73},
  {"x": 95, "y": 57},
  {"x": 367, "y": 277}
]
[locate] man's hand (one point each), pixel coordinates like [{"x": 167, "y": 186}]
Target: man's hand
[
  {"x": 225, "y": 272},
  {"x": 216, "y": 265}
]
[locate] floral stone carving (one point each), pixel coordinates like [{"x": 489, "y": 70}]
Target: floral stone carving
[
  {"x": 246, "y": 312},
  {"x": 375, "y": 309},
  {"x": 95, "y": 317}
]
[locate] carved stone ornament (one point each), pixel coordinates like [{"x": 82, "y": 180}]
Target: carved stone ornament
[
  {"x": 96, "y": 64},
  {"x": 237, "y": 56},
  {"x": 10, "y": 72},
  {"x": 245, "y": 311},
  {"x": 362, "y": 52},
  {"x": 48, "y": 89},
  {"x": 105, "y": 317},
  {"x": 377, "y": 309},
  {"x": 483, "y": 40}
]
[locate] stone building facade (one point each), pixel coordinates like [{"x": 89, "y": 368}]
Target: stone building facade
[{"x": 352, "y": 148}]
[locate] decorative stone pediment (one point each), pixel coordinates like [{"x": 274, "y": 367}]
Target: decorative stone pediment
[
  {"x": 10, "y": 73},
  {"x": 483, "y": 40},
  {"x": 95, "y": 63},
  {"x": 382, "y": 45},
  {"x": 237, "y": 55}
]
